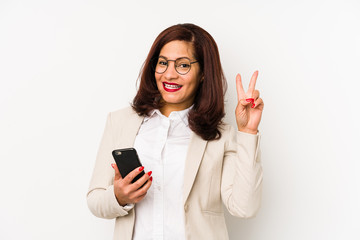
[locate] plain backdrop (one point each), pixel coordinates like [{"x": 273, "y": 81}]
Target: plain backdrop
[{"x": 65, "y": 64}]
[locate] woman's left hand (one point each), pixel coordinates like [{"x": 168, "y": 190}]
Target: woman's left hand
[{"x": 250, "y": 106}]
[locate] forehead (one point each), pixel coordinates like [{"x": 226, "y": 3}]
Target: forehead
[{"x": 176, "y": 49}]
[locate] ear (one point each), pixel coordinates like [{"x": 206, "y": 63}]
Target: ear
[{"x": 202, "y": 78}]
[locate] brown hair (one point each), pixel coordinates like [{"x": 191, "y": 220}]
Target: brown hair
[{"x": 206, "y": 115}]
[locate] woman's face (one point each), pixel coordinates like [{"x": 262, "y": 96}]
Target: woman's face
[{"x": 178, "y": 91}]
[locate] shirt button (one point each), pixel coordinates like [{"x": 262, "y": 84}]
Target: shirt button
[{"x": 158, "y": 188}]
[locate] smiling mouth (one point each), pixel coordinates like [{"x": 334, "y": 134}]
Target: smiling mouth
[{"x": 171, "y": 87}]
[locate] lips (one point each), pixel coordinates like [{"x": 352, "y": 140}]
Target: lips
[{"x": 171, "y": 87}]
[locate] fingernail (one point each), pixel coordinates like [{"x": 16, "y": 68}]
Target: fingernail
[
  {"x": 149, "y": 173},
  {"x": 253, "y": 106},
  {"x": 112, "y": 165},
  {"x": 141, "y": 168},
  {"x": 150, "y": 178},
  {"x": 249, "y": 99}
]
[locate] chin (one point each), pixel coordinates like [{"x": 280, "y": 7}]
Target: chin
[{"x": 171, "y": 100}]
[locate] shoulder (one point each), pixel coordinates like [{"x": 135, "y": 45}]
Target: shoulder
[
  {"x": 226, "y": 130},
  {"x": 123, "y": 112},
  {"x": 123, "y": 115},
  {"x": 124, "y": 121}
]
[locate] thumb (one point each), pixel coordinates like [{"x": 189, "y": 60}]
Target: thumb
[
  {"x": 245, "y": 102},
  {"x": 117, "y": 173}
]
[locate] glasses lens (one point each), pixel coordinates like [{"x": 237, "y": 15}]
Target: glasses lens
[
  {"x": 161, "y": 65},
  {"x": 182, "y": 65}
]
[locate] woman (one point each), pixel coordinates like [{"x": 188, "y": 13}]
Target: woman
[{"x": 194, "y": 161}]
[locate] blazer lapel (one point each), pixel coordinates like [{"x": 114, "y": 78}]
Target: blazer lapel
[
  {"x": 194, "y": 156},
  {"x": 193, "y": 159},
  {"x": 130, "y": 130}
]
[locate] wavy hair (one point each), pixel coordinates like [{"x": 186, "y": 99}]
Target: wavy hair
[{"x": 205, "y": 118}]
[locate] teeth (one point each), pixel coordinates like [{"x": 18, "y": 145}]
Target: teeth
[{"x": 172, "y": 86}]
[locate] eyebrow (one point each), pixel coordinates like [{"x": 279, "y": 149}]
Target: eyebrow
[{"x": 177, "y": 58}]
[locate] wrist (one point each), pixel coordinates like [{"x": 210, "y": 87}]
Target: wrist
[
  {"x": 248, "y": 131},
  {"x": 121, "y": 203}
]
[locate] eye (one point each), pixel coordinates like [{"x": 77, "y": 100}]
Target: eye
[
  {"x": 162, "y": 62},
  {"x": 183, "y": 63}
]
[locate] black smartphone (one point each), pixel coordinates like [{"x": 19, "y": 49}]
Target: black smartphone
[{"x": 127, "y": 160}]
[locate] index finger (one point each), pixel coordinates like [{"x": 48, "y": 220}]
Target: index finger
[
  {"x": 253, "y": 83},
  {"x": 239, "y": 87},
  {"x": 117, "y": 173}
]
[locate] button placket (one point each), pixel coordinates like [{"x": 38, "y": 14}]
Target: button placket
[{"x": 159, "y": 188}]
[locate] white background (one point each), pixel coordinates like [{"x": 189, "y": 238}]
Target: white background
[{"x": 65, "y": 64}]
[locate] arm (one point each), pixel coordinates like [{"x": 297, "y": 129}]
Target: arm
[
  {"x": 101, "y": 199},
  {"x": 242, "y": 174}
]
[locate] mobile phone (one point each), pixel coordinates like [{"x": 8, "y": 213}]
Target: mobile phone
[{"x": 127, "y": 160}]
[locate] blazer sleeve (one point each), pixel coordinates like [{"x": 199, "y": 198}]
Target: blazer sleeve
[
  {"x": 242, "y": 175},
  {"x": 101, "y": 198}
]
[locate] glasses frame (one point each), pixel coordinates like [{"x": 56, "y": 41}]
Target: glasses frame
[{"x": 167, "y": 64}]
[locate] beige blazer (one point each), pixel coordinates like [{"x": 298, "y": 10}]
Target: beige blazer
[{"x": 225, "y": 171}]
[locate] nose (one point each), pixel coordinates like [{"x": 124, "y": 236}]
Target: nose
[{"x": 170, "y": 72}]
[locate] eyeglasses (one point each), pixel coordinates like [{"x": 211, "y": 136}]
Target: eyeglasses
[{"x": 182, "y": 65}]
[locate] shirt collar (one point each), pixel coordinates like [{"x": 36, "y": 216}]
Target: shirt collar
[
  {"x": 151, "y": 114},
  {"x": 183, "y": 114}
]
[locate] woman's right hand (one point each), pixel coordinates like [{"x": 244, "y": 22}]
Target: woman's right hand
[{"x": 127, "y": 192}]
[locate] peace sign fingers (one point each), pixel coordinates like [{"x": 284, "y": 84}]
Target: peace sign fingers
[
  {"x": 248, "y": 116},
  {"x": 240, "y": 89}
]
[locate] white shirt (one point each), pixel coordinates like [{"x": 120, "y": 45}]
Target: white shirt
[{"x": 162, "y": 144}]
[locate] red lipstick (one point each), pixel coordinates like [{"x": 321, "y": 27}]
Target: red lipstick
[{"x": 171, "y": 87}]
